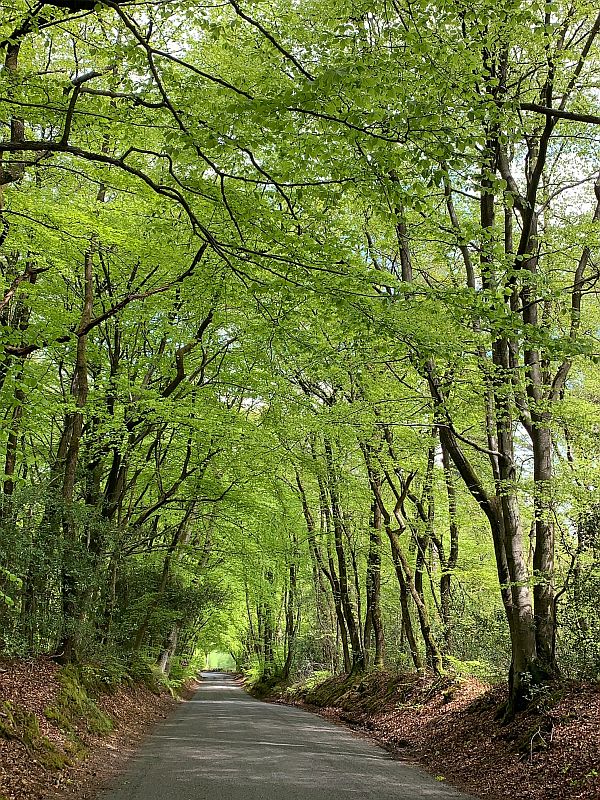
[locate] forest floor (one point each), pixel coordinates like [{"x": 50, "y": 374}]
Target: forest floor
[
  {"x": 550, "y": 752},
  {"x": 57, "y": 740}
]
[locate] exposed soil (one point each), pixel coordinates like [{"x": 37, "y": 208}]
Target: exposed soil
[
  {"x": 451, "y": 728},
  {"x": 33, "y": 686}
]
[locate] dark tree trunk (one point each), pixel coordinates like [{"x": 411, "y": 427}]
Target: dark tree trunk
[
  {"x": 373, "y": 621},
  {"x": 448, "y": 565},
  {"x": 69, "y": 451},
  {"x": 291, "y": 619},
  {"x": 358, "y": 658}
]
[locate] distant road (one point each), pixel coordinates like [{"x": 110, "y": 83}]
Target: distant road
[{"x": 224, "y": 745}]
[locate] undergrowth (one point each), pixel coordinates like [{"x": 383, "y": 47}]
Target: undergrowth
[
  {"x": 366, "y": 693},
  {"x": 75, "y": 706},
  {"x": 75, "y": 709}
]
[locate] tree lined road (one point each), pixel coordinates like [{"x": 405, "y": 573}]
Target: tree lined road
[{"x": 224, "y": 745}]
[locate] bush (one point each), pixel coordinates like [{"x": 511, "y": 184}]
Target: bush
[{"x": 143, "y": 670}]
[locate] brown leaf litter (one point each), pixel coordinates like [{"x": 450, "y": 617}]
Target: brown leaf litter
[
  {"x": 550, "y": 752},
  {"x": 32, "y": 686}
]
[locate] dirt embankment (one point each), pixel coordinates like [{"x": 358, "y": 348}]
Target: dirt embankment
[
  {"x": 451, "y": 727},
  {"x": 63, "y": 732}
]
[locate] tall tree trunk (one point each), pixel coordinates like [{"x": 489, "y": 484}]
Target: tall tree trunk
[
  {"x": 448, "y": 565},
  {"x": 333, "y": 577},
  {"x": 179, "y": 538},
  {"x": 324, "y": 615},
  {"x": 70, "y": 448},
  {"x": 358, "y": 659},
  {"x": 290, "y": 621},
  {"x": 403, "y": 571},
  {"x": 168, "y": 651},
  {"x": 543, "y": 554},
  {"x": 373, "y": 622}
]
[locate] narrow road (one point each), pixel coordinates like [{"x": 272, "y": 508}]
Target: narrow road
[{"x": 224, "y": 745}]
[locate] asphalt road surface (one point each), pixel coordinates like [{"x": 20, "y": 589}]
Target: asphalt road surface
[{"x": 224, "y": 745}]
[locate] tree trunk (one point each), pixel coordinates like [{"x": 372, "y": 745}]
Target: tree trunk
[
  {"x": 373, "y": 622},
  {"x": 70, "y": 447},
  {"x": 358, "y": 659},
  {"x": 543, "y": 554},
  {"x": 166, "y": 654},
  {"x": 291, "y": 625},
  {"x": 327, "y": 570},
  {"x": 449, "y": 564}
]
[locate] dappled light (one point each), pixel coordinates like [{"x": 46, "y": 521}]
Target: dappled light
[
  {"x": 252, "y": 750},
  {"x": 300, "y": 382}
]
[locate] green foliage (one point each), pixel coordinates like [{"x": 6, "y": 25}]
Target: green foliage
[
  {"x": 300, "y": 688},
  {"x": 142, "y": 670},
  {"x": 259, "y": 295},
  {"x": 264, "y": 686},
  {"x": 464, "y": 669}
]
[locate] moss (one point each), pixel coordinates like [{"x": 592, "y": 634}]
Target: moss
[
  {"x": 16, "y": 723},
  {"x": 50, "y": 755},
  {"x": 75, "y": 747},
  {"x": 21, "y": 725},
  {"x": 74, "y": 706},
  {"x": 367, "y": 692},
  {"x": 298, "y": 691},
  {"x": 450, "y": 694},
  {"x": 320, "y": 689},
  {"x": 330, "y": 692},
  {"x": 103, "y": 676},
  {"x": 266, "y": 686},
  {"x": 57, "y": 715}
]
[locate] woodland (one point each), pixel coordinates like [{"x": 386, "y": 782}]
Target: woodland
[{"x": 299, "y": 335}]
